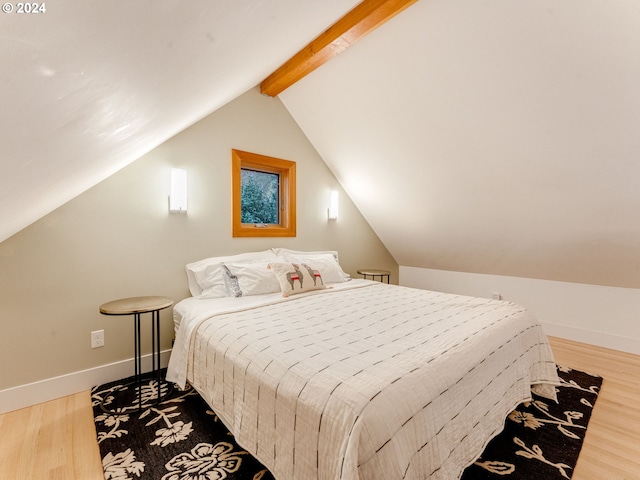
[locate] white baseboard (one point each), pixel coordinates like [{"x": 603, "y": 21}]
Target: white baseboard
[
  {"x": 51, "y": 388},
  {"x": 590, "y": 337}
]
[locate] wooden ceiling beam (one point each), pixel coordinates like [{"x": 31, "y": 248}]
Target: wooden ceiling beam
[{"x": 365, "y": 17}]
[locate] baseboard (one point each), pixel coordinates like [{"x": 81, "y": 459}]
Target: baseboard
[
  {"x": 589, "y": 337},
  {"x": 51, "y": 388}
]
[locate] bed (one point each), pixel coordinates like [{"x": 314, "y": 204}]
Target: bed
[{"x": 353, "y": 379}]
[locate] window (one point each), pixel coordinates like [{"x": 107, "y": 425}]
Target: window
[
  {"x": 259, "y": 197},
  {"x": 264, "y": 195}
]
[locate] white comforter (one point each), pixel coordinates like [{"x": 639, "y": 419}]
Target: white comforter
[{"x": 368, "y": 381}]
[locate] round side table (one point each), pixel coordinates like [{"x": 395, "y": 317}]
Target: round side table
[
  {"x": 373, "y": 273},
  {"x": 136, "y": 306}
]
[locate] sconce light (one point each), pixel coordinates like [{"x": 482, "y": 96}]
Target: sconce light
[
  {"x": 178, "y": 198},
  {"x": 333, "y": 205}
]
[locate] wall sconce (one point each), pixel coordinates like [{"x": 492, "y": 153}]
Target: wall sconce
[
  {"x": 178, "y": 197},
  {"x": 333, "y": 205}
]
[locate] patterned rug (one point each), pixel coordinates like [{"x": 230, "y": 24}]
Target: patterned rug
[{"x": 180, "y": 438}]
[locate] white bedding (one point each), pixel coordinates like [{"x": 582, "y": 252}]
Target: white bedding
[{"x": 362, "y": 381}]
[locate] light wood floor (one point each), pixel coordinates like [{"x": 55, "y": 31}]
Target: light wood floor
[{"x": 56, "y": 440}]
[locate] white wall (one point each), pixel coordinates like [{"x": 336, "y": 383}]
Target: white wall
[{"x": 593, "y": 314}]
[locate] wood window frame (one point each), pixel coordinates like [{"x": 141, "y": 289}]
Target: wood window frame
[{"x": 286, "y": 169}]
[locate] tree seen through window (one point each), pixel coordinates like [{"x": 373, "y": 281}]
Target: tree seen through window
[{"x": 259, "y": 197}]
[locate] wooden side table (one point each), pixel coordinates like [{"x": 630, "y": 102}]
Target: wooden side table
[
  {"x": 136, "y": 306},
  {"x": 373, "y": 273}
]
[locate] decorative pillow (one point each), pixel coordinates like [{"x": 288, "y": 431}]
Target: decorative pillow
[
  {"x": 325, "y": 263},
  {"x": 205, "y": 276},
  {"x": 242, "y": 280},
  {"x": 331, "y": 270},
  {"x": 297, "y": 278}
]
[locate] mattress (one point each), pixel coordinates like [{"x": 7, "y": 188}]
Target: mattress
[{"x": 365, "y": 380}]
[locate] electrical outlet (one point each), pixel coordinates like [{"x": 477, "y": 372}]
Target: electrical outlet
[
  {"x": 97, "y": 338},
  {"x": 496, "y": 296}
]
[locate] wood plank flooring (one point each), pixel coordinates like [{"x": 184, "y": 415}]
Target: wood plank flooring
[{"x": 56, "y": 440}]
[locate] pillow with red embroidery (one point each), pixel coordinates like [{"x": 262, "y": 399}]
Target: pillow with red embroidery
[{"x": 297, "y": 278}]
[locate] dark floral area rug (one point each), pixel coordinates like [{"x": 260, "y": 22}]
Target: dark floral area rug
[
  {"x": 180, "y": 438},
  {"x": 541, "y": 439}
]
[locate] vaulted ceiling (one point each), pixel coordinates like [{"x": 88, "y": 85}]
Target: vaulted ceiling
[
  {"x": 88, "y": 87},
  {"x": 491, "y": 137},
  {"x": 494, "y": 137}
]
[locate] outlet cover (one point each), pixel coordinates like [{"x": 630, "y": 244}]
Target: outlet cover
[{"x": 97, "y": 339}]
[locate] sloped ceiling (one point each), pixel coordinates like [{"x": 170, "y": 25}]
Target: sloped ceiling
[
  {"x": 493, "y": 137},
  {"x": 88, "y": 87}
]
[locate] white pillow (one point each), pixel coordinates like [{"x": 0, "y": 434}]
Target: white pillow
[
  {"x": 296, "y": 278},
  {"x": 325, "y": 261},
  {"x": 244, "y": 279},
  {"x": 205, "y": 276}
]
